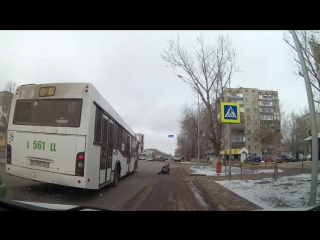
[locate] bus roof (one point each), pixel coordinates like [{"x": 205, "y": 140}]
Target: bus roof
[{"x": 95, "y": 96}]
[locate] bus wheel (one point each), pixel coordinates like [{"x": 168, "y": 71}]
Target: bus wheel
[{"x": 116, "y": 177}]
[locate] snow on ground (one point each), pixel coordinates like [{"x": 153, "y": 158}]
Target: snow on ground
[
  {"x": 198, "y": 195},
  {"x": 211, "y": 171},
  {"x": 286, "y": 192}
]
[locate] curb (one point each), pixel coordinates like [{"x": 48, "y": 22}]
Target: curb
[
  {"x": 197, "y": 174},
  {"x": 215, "y": 206}
]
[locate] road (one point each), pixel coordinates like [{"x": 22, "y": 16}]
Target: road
[{"x": 144, "y": 190}]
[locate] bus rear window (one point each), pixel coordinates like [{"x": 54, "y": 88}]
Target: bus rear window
[{"x": 48, "y": 112}]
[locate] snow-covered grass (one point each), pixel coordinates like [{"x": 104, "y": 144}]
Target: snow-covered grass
[
  {"x": 286, "y": 192},
  {"x": 211, "y": 171}
]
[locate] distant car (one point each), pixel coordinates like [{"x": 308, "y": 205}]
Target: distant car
[
  {"x": 177, "y": 158},
  {"x": 162, "y": 159},
  {"x": 302, "y": 157},
  {"x": 288, "y": 158},
  {"x": 253, "y": 159},
  {"x": 150, "y": 158},
  {"x": 142, "y": 158},
  {"x": 271, "y": 159}
]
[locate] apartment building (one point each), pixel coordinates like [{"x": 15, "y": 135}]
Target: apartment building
[
  {"x": 257, "y": 108},
  {"x": 141, "y": 140}
]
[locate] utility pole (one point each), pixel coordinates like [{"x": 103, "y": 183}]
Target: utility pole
[
  {"x": 230, "y": 139},
  {"x": 198, "y": 131},
  {"x": 314, "y": 134}
]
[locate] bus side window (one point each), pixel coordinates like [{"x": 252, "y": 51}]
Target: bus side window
[
  {"x": 124, "y": 139},
  {"x": 120, "y": 138},
  {"x": 116, "y": 135},
  {"x": 98, "y": 125},
  {"x": 133, "y": 147}
]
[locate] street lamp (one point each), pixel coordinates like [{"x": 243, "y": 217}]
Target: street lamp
[{"x": 314, "y": 133}]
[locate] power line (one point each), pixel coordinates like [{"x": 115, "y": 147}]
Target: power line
[{"x": 79, "y": 66}]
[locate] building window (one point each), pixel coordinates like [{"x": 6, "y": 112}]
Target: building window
[
  {"x": 246, "y": 95},
  {"x": 248, "y": 124},
  {"x": 249, "y": 147},
  {"x": 256, "y": 147},
  {"x": 247, "y": 102},
  {"x": 248, "y": 139},
  {"x": 248, "y": 117}
]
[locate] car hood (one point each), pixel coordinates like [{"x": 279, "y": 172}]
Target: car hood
[
  {"x": 286, "y": 209},
  {"x": 56, "y": 206}
]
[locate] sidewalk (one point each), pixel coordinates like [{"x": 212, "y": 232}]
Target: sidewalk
[{"x": 221, "y": 198}]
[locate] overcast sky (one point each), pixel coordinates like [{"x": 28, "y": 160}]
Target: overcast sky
[{"x": 127, "y": 69}]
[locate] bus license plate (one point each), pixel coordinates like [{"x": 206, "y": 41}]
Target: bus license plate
[{"x": 39, "y": 163}]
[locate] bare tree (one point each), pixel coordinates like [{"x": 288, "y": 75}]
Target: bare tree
[
  {"x": 189, "y": 128},
  {"x": 6, "y": 99},
  {"x": 209, "y": 69},
  {"x": 294, "y": 134},
  {"x": 310, "y": 45}
]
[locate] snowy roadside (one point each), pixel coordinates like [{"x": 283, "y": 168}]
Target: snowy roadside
[
  {"x": 286, "y": 192},
  {"x": 211, "y": 171}
]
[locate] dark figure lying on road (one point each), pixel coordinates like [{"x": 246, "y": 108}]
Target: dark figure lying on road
[{"x": 165, "y": 169}]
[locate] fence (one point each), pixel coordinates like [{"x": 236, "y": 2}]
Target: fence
[{"x": 282, "y": 169}]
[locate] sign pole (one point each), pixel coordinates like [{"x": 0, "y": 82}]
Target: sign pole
[
  {"x": 230, "y": 113},
  {"x": 230, "y": 146}
]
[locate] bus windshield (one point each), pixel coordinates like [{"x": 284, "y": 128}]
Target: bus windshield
[{"x": 48, "y": 112}]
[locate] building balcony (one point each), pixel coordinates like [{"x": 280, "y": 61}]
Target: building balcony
[
  {"x": 235, "y": 97},
  {"x": 238, "y": 142},
  {"x": 239, "y": 126}
]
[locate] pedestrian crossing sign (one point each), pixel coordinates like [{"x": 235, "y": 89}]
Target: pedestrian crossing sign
[{"x": 230, "y": 112}]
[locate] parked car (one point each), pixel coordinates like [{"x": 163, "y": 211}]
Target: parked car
[
  {"x": 288, "y": 158},
  {"x": 309, "y": 158},
  {"x": 271, "y": 159},
  {"x": 253, "y": 159},
  {"x": 301, "y": 157}
]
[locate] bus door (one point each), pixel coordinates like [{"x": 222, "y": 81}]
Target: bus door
[
  {"x": 105, "y": 167},
  {"x": 110, "y": 150},
  {"x": 128, "y": 150}
]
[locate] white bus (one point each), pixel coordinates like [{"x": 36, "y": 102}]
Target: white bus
[{"x": 68, "y": 134}]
